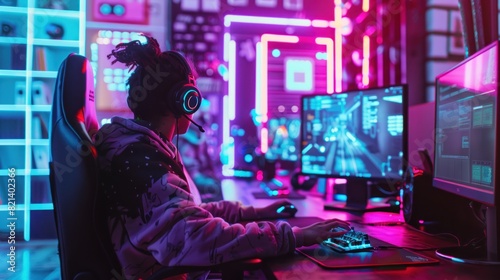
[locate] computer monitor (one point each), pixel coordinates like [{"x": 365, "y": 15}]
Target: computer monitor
[
  {"x": 283, "y": 141},
  {"x": 358, "y": 135},
  {"x": 466, "y": 144}
]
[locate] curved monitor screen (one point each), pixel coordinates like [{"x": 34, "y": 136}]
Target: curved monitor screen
[
  {"x": 466, "y": 129},
  {"x": 359, "y": 133}
]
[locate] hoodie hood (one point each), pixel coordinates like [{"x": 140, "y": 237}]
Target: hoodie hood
[{"x": 114, "y": 137}]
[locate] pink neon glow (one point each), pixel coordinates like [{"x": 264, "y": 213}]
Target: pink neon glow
[
  {"x": 328, "y": 42},
  {"x": 366, "y": 60},
  {"x": 258, "y": 82},
  {"x": 265, "y": 39},
  {"x": 340, "y": 181},
  {"x": 264, "y": 138},
  {"x": 227, "y": 38},
  {"x": 232, "y": 81},
  {"x": 265, "y": 20},
  {"x": 319, "y": 23},
  {"x": 259, "y": 175},
  {"x": 337, "y": 24},
  {"x": 333, "y": 58}
]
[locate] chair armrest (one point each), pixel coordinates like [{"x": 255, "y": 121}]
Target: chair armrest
[{"x": 233, "y": 270}]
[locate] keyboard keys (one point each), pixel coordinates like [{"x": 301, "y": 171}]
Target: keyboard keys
[{"x": 352, "y": 241}]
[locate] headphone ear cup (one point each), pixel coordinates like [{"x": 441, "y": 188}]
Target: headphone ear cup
[
  {"x": 187, "y": 100},
  {"x": 184, "y": 98}
]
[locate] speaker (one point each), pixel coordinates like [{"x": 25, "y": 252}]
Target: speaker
[
  {"x": 426, "y": 205},
  {"x": 183, "y": 98},
  {"x": 419, "y": 205}
]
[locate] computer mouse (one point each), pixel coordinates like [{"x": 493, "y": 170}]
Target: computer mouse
[{"x": 289, "y": 208}]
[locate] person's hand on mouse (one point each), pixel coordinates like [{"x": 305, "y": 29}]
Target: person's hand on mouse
[
  {"x": 271, "y": 211},
  {"x": 318, "y": 232}
]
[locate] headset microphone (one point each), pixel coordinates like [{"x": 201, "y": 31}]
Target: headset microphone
[{"x": 197, "y": 125}]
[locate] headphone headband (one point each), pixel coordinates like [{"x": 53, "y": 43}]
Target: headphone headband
[{"x": 183, "y": 98}]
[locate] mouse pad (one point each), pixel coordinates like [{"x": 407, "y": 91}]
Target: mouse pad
[{"x": 331, "y": 259}]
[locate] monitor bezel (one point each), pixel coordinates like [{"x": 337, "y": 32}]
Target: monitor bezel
[
  {"x": 404, "y": 134},
  {"x": 461, "y": 189}
]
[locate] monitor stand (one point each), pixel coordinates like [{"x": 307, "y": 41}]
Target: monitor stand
[
  {"x": 358, "y": 199},
  {"x": 486, "y": 253}
]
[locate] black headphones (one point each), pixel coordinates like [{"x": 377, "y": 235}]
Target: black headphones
[{"x": 184, "y": 98}]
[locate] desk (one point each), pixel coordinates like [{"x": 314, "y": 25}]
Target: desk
[{"x": 298, "y": 267}]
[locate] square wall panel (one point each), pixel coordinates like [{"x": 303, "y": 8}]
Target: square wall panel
[{"x": 299, "y": 75}]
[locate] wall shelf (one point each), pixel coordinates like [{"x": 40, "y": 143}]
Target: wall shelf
[{"x": 28, "y": 71}]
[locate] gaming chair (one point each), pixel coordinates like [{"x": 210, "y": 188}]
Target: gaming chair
[
  {"x": 85, "y": 251},
  {"x": 84, "y": 245}
]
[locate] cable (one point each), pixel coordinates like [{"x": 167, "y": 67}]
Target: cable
[
  {"x": 177, "y": 139},
  {"x": 438, "y": 234}
]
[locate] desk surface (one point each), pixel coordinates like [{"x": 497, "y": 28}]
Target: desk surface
[{"x": 298, "y": 267}]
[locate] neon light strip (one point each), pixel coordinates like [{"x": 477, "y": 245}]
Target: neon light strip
[
  {"x": 264, "y": 136},
  {"x": 22, "y": 207},
  {"x": 366, "y": 5},
  {"x": 27, "y": 134},
  {"x": 307, "y": 148},
  {"x": 338, "y": 46},
  {"x": 13, "y": 142},
  {"x": 227, "y": 38},
  {"x": 319, "y": 23},
  {"x": 265, "y": 20},
  {"x": 232, "y": 81},
  {"x": 265, "y": 39},
  {"x": 26, "y": 273},
  {"x": 328, "y": 42},
  {"x": 366, "y": 60},
  {"x": 279, "y": 38},
  {"x": 82, "y": 34},
  {"x": 229, "y": 19},
  {"x": 262, "y": 94},
  {"x": 264, "y": 133},
  {"x": 228, "y": 141},
  {"x": 258, "y": 80}
]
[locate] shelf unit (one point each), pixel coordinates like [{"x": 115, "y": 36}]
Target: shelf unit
[{"x": 34, "y": 40}]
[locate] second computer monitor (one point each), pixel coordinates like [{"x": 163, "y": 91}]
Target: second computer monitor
[
  {"x": 355, "y": 134},
  {"x": 359, "y": 135}
]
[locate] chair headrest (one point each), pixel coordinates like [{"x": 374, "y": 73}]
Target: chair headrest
[{"x": 74, "y": 95}]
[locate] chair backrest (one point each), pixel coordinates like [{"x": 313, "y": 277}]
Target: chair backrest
[{"x": 85, "y": 249}]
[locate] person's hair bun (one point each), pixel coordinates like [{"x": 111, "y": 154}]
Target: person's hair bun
[{"x": 134, "y": 53}]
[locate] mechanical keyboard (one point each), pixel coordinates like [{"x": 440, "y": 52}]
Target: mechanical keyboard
[{"x": 352, "y": 241}]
